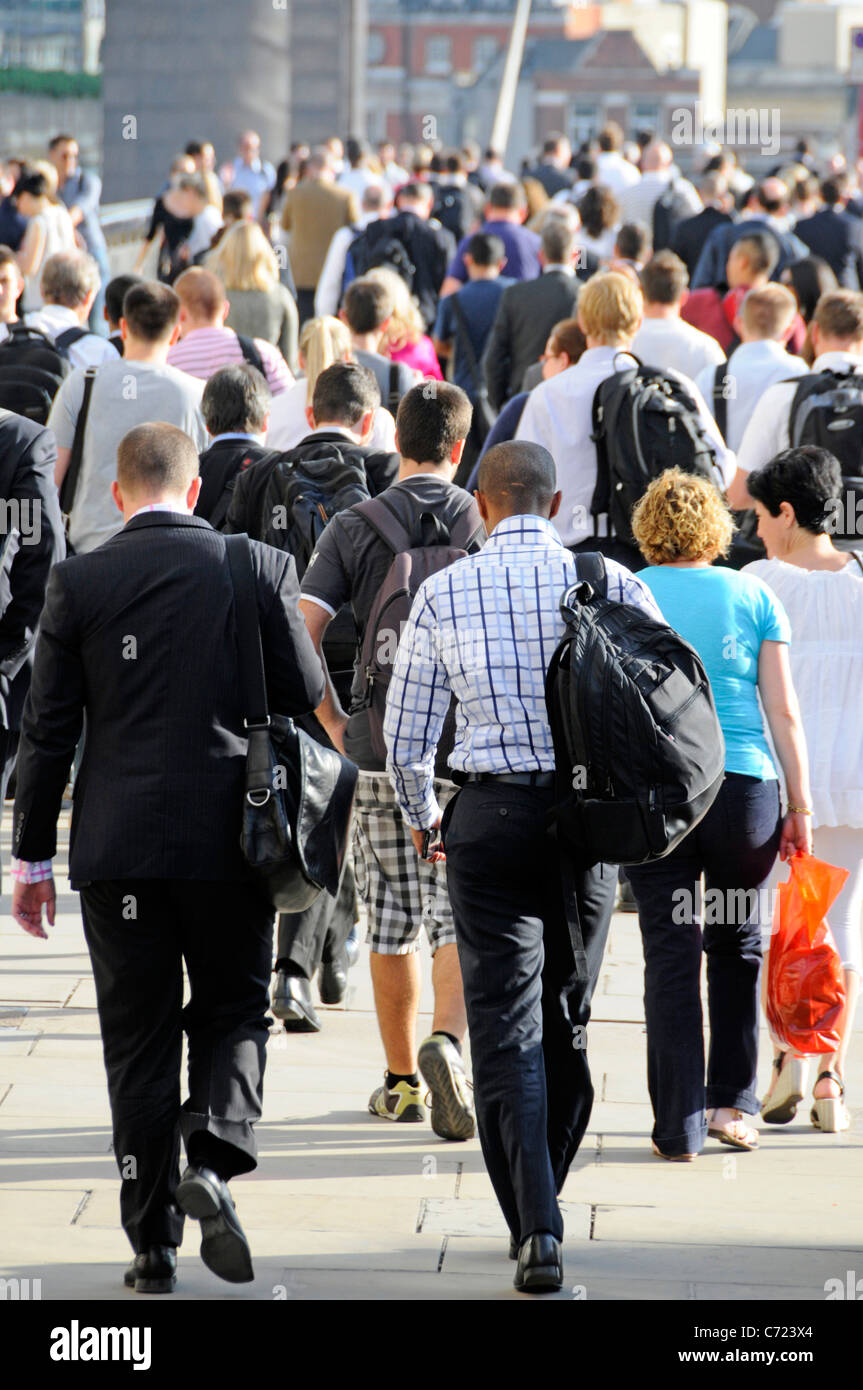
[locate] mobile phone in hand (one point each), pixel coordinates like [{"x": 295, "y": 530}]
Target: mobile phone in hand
[{"x": 431, "y": 845}]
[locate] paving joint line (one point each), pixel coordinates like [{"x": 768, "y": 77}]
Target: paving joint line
[{"x": 79, "y": 1210}]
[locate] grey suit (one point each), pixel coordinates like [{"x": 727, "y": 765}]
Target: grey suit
[{"x": 526, "y": 315}]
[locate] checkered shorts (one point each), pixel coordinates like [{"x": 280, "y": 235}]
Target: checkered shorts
[{"x": 401, "y": 891}]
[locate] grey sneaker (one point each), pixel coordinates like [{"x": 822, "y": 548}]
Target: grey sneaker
[{"x": 452, "y": 1114}]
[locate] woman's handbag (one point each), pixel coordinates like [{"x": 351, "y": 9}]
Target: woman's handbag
[{"x": 299, "y": 795}]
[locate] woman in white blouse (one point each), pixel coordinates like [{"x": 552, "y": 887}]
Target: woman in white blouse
[
  {"x": 798, "y": 498},
  {"x": 49, "y": 229},
  {"x": 323, "y": 341}
]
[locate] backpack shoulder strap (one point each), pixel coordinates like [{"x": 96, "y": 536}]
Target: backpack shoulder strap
[
  {"x": 378, "y": 514},
  {"x": 69, "y": 485},
  {"x": 720, "y": 400},
  {"x": 590, "y": 569},
  {"x": 71, "y": 335},
  {"x": 465, "y": 340},
  {"x": 393, "y": 396},
  {"x": 253, "y": 685},
  {"x": 463, "y": 532},
  {"x": 251, "y": 353}
]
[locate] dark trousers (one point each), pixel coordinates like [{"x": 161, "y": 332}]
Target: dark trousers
[
  {"x": 526, "y": 1011},
  {"x": 613, "y": 549},
  {"x": 305, "y": 305},
  {"x": 319, "y": 933},
  {"x": 8, "y": 755},
  {"x": 734, "y": 846},
  {"x": 139, "y": 932}
]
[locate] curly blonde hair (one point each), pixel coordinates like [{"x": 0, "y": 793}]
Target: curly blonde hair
[
  {"x": 681, "y": 517},
  {"x": 406, "y": 325}
]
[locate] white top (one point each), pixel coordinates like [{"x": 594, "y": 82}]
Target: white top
[
  {"x": 329, "y": 291},
  {"x": 602, "y": 245},
  {"x": 558, "y": 415},
  {"x": 752, "y": 369},
  {"x": 204, "y": 228},
  {"x": 616, "y": 172},
  {"x": 638, "y": 201},
  {"x": 288, "y": 423},
  {"x": 671, "y": 343},
  {"x": 59, "y": 236},
  {"x": 826, "y": 612},
  {"x": 55, "y": 319},
  {"x": 766, "y": 435}
]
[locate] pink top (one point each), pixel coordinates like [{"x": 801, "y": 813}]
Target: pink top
[
  {"x": 204, "y": 350},
  {"x": 421, "y": 356}
]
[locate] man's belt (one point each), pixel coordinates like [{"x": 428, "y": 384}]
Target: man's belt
[{"x": 517, "y": 779}]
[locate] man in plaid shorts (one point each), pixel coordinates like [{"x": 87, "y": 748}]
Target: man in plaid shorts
[{"x": 403, "y": 893}]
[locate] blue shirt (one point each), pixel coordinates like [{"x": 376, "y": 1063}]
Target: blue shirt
[
  {"x": 83, "y": 190},
  {"x": 726, "y": 616},
  {"x": 478, "y": 302},
  {"x": 485, "y": 629},
  {"x": 522, "y": 251}
]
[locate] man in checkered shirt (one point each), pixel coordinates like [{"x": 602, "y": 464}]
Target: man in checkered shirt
[{"x": 484, "y": 630}]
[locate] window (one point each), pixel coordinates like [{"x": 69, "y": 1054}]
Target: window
[
  {"x": 585, "y": 121},
  {"x": 376, "y": 49},
  {"x": 439, "y": 54},
  {"x": 485, "y": 50}
]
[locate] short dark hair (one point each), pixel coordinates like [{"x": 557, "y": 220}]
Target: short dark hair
[
  {"x": 194, "y": 147},
  {"x": 61, "y": 140},
  {"x": 486, "y": 249},
  {"x": 32, "y": 182},
  {"x": 809, "y": 479},
  {"x": 507, "y": 196},
  {"x": 763, "y": 253},
  {"x": 834, "y": 188},
  {"x": 432, "y": 418},
  {"x": 367, "y": 305},
  {"x": 151, "y": 310},
  {"x": 156, "y": 458},
  {"x": 558, "y": 240},
  {"x": 610, "y": 137},
  {"x": 236, "y": 203},
  {"x": 115, "y": 293},
  {"x": 664, "y": 278},
  {"x": 343, "y": 394},
  {"x": 633, "y": 241},
  {"x": 518, "y": 476},
  {"x": 236, "y": 400},
  {"x": 598, "y": 209}
]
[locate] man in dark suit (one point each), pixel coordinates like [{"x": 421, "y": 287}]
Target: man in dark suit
[
  {"x": 834, "y": 234},
  {"x": 140, "y": 636},
  {"x": 769, "y": 206},
  {"x": 236, "y": 410},
  {"x": 553, "y": 170},
  {"x": 689, "y": 236},
  {"x": 529, "y": 310},
  {"x": 31, "y": 541}
]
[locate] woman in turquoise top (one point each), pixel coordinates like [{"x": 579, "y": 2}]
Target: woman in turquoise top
[{"x": 741, "y": 632}]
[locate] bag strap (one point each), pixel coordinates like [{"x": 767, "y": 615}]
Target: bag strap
[
  {"x": 72, "y": 335},
  {"x": 859, "y": 558},
  {"x": 467, "y": 345},
  {"x": 253, "y": 684},
  {"x": 393, "y": 396},
  {"x": 69, "y": 485},
  {"x": 590, "y": 569},
  {"x": 720, "y": 400},
  {"x": 251, "y": 353}
]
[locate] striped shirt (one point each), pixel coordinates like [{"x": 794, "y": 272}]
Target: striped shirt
[
  {"x": 204, "y": 350},
  {"x": 485, "y": 630}
]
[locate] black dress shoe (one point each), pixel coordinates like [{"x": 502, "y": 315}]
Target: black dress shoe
[
  {"x": 540, "y": 1264},
  {"x": 513, "y": 1248},
  {"x": 153, "y": 1271},
  {"x": 292, "y": 1002},
  {"x": 203, "y": 1195},
  {"x": 333, "y": 979}
]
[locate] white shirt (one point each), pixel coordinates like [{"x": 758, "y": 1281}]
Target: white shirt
[
  {"x": 752, "y": 369},
  {"x": 59, "y": 236},
  {"x": 638, "y": 201},
  {"x": 602, "y": 245},
  {"x": 616, "y": 172},
  {"x": 671, "y": 343},
  {"x": 329, "y": 290},
  {"x": 358, "y": 180},
  {"x": 54, "y": 319},
  {"x": 288, "y": 423},
  {"x": 558, "y": 415},
  {"x": 204, "y": 228},
  {"x": 766, "y": 435}
]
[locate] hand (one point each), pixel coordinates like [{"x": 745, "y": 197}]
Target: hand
[
  {"x": 418, "y": 836},
  {"x": 336, "y": 733},
  {"x": 796, "y": 835},
  {"x": 27, "y": 901}
]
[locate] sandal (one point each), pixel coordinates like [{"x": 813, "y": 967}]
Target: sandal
[
  {"x": 736, "y": 1133},
  {"x": 829, "y": 1114},
  {"x": 780, "y": 1106},
  {"x": 673, "y": 1158}
]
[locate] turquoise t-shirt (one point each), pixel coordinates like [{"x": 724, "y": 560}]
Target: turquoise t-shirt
[{"x": 726, "y": 616}]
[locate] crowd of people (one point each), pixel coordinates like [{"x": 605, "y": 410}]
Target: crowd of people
[{"x": 427, "y": 387}]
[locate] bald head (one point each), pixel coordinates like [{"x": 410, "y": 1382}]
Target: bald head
[
  {"x": 201, "y": 295},
  {"x": 517, "y": 479},
  {"x": 656, "y": 156}
]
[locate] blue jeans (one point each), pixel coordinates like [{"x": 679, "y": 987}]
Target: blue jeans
[{"x": 734, "y": 847}]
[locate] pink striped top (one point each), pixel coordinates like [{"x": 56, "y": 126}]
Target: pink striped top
[{"x": 204, "y": 350}]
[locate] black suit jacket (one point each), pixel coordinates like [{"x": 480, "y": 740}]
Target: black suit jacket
[
  {"x": 689, "y": 236},
  {"x": 140, "y": 635},
  {"x": 28, "y": 453},
  {"x": 838, "y": 238},
  {"x": 526, "y": 315},
  {"x": 220, "y": 465}
]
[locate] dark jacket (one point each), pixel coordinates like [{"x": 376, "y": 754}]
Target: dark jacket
[
  {"x": 553, "y": 180},
  {"x": 220, "y": 465},
  {"x": 689, "y": 236},
  {"x": 710, "y": 270},
  {"x": 140, "y": 634},
  {"x": 838, "y": 238},
  {"x": 526, "y": 315},
  {"x": 430, "y": 248},
  {"x": 28, "y": 453}
]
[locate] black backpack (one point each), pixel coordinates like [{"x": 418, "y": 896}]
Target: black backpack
[
  {"x": 453, "y": 209},
  {"x": 639, "y": 753},
  {"x": 666, "y": 217},
  {"x": 302, "y": 496},
  {"x": 369, "y": 251},
  {"x": 32, "y": 369},
  {"x": 643, "y": 422},
  {"x": 827, "y": 410}
]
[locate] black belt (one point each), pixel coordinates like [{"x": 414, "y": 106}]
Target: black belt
[{"x": 518, "y": 779}]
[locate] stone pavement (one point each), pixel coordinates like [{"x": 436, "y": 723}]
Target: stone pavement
[{"x": 344, "y": 1206}]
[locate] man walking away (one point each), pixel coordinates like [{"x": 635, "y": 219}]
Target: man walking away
[
  {"x": 403, "y": 894},
  {"x": 484, "y": 631},
  {"x": 140, "y": 637},
  {"x": 236, "y": 410}
]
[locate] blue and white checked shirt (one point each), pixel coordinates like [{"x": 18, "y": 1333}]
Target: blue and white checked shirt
[{"x": 485, "y": 630}]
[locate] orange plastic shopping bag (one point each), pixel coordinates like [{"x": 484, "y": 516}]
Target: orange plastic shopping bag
[{"x": 805, "y": 984}]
